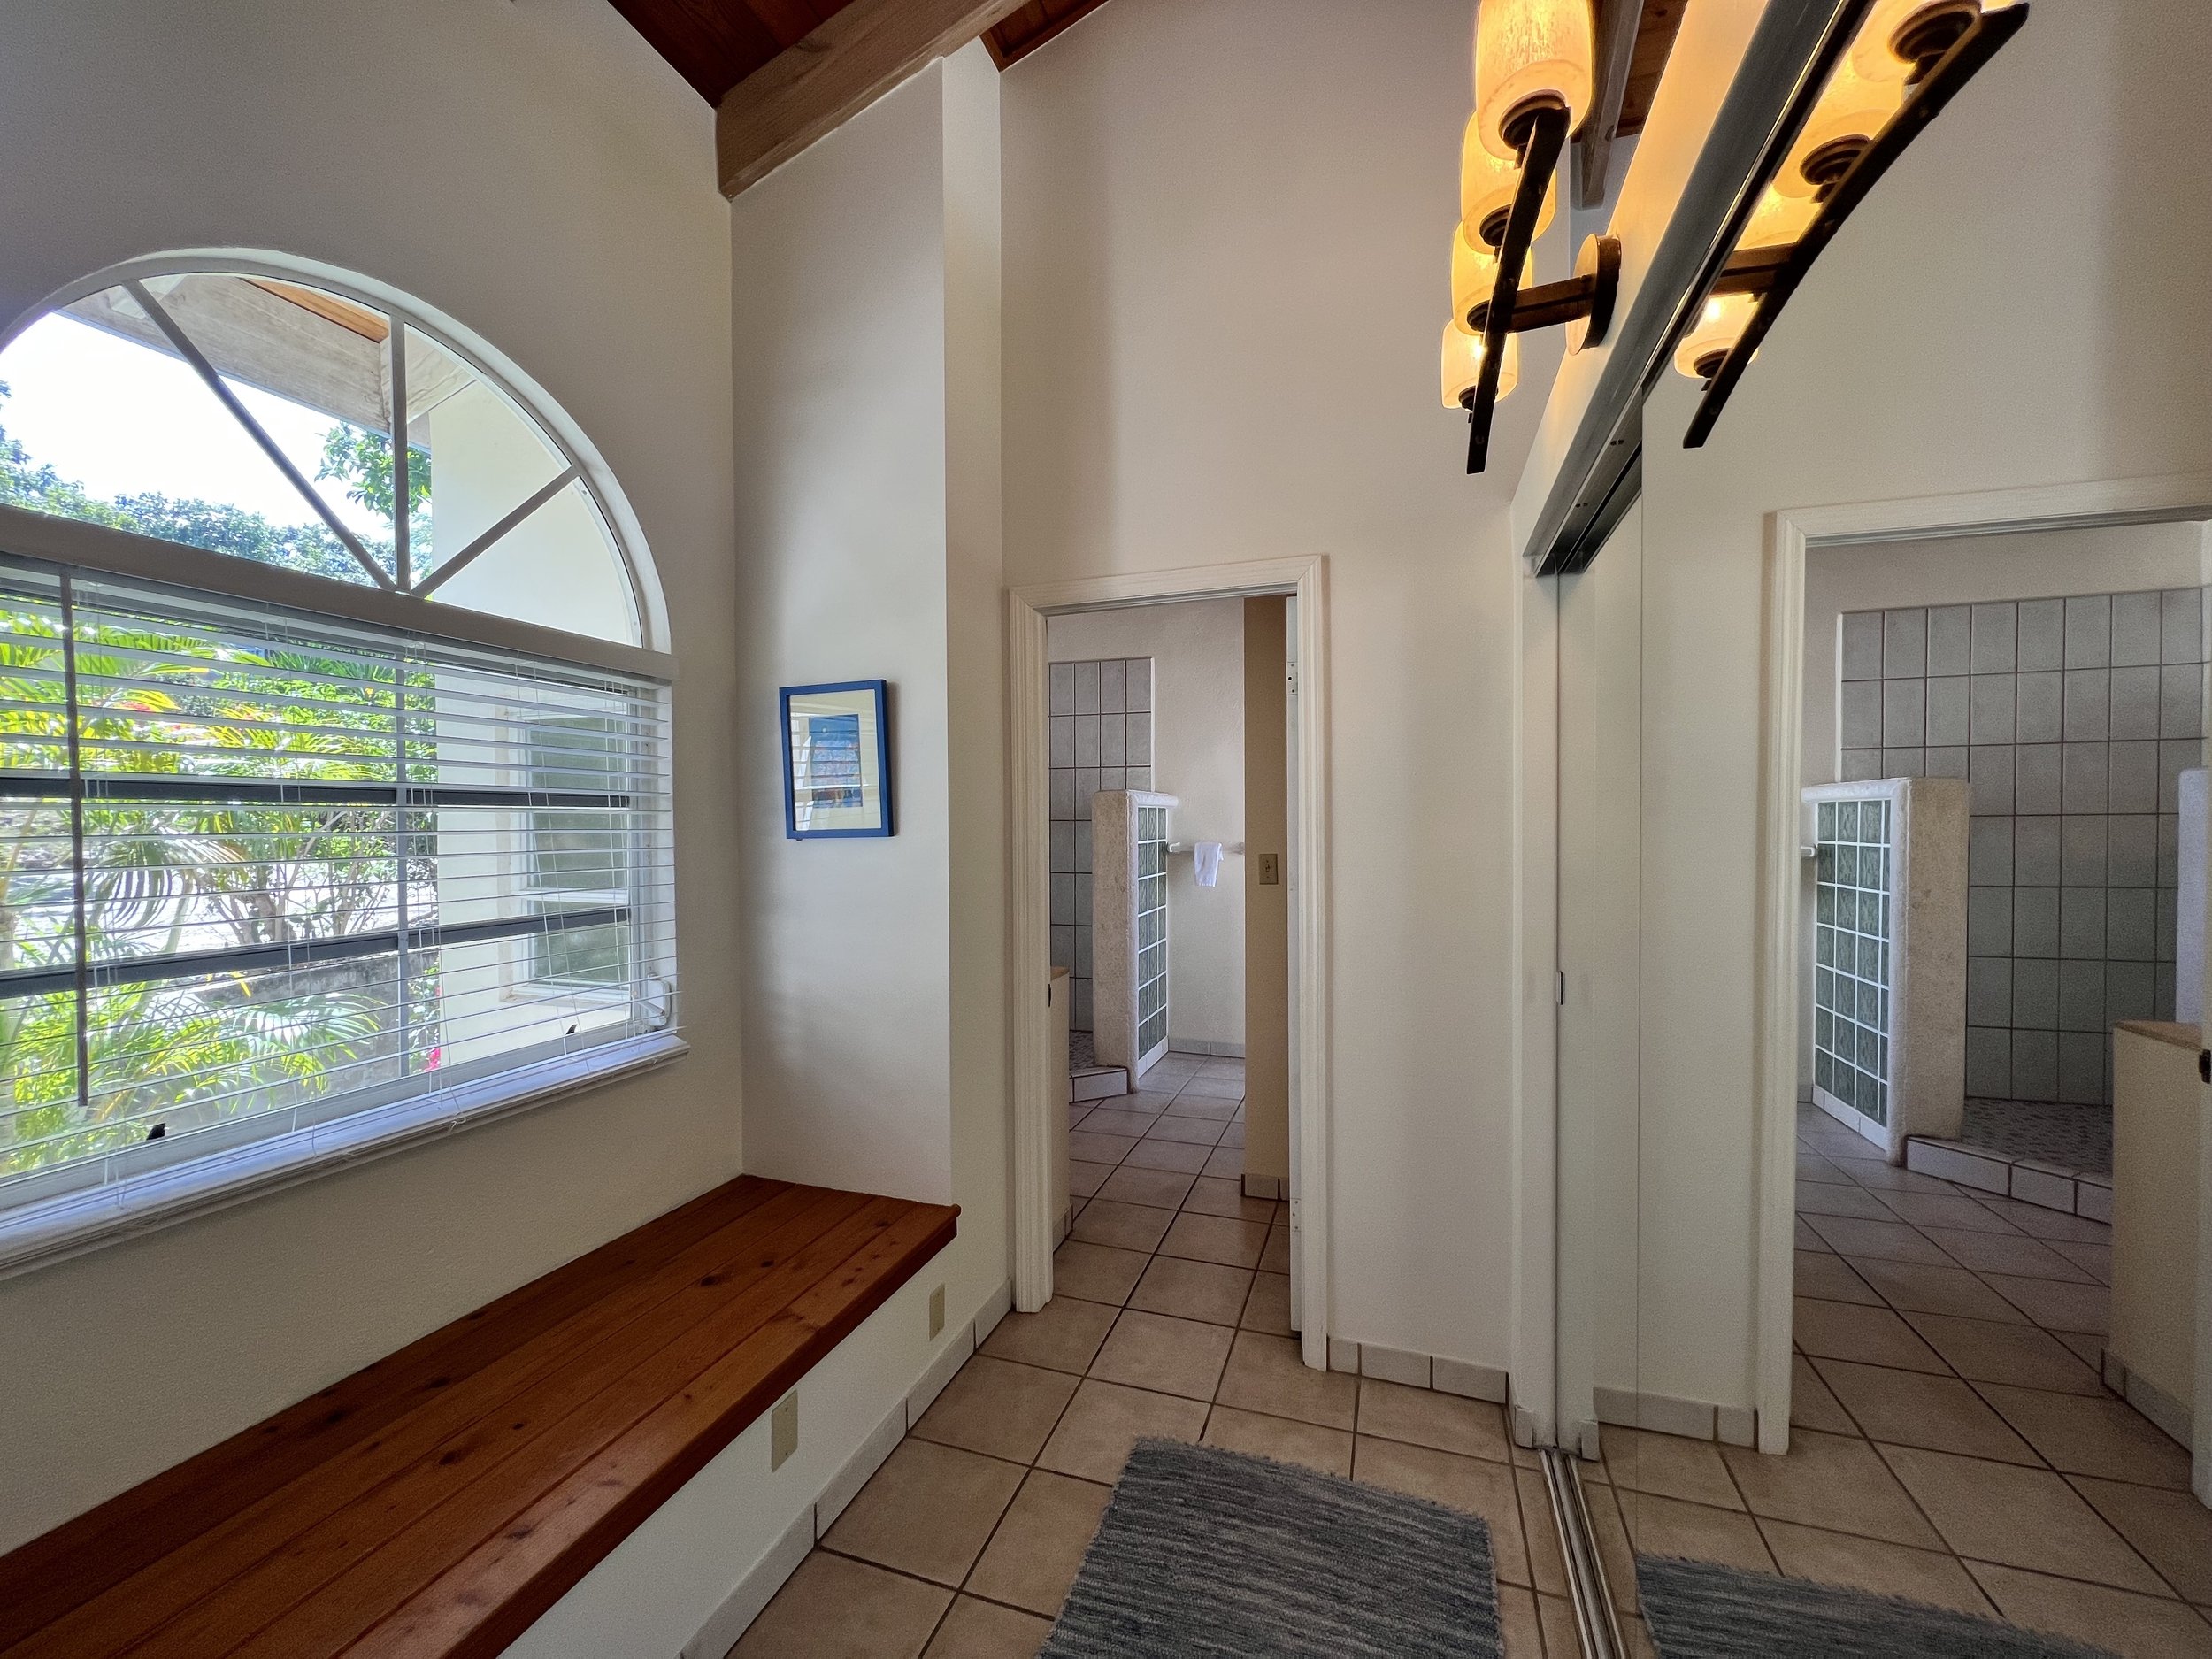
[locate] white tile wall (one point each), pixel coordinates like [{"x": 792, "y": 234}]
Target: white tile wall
[{"x": 2071, "y": 719}]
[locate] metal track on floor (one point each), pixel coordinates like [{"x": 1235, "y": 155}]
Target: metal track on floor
[{"x": 1597, "y": 1627}]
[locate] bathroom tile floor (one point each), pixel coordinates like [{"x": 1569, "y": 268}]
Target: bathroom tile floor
[
  {"x": 1171, "y": 1319},
  {"x": 1951, "y": 1441}
]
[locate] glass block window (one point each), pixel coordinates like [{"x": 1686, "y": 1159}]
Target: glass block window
[
  {"x": 1852, "y": 959},
  {"x": 1151, "y": 928}
]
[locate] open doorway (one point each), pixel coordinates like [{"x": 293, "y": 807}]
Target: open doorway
[{"x": 1168, "y": 846}]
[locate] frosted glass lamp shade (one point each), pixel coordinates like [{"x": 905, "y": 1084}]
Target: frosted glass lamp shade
[
  {"x": 1529, "y": 51},
  {"x": 1462, "y": 365},
  {"x": 1853, "y": 108},
  {"x": 1486, "y": 187},
  {"x": 1779, "y": 220},
  {"x": 1719, "y": 325}
]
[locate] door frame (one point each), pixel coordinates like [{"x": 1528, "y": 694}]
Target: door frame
[
  {"x": 1030, "y": 910},
  {"x": 1791, "y": 533}
]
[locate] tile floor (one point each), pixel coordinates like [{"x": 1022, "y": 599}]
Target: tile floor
[
  {"x": 1173, "y": 1320},
  {"x": 1951, "y": 1441}
]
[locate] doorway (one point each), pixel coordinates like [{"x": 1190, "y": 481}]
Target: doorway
[{"x": 1299, "y": 889}]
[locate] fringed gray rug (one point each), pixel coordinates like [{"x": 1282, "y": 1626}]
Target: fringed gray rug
[
  {"x": 1697, "y": 1610},
  {"x": 1205, "y": 1551}
]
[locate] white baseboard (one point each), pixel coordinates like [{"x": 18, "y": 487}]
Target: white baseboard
[
  {"x": 1464, "y": 1378},
  {"x": 845, "y": 1484},
  {"x": 754, "y": 1591},
  {"x": 1205, "y": 1046},
  {"x": 1265, "y": 1186},
  {"x": 1664, "y": 1414}
]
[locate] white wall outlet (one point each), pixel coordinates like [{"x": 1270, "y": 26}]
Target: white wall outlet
[
  {"x": 783, "y": 1429},
  {"x": 937, "y": 1311}
]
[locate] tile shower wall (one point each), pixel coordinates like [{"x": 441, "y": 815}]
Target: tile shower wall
[
  {"x": 2071, "y": 719},
  {"x": 1102, "y": 738}
]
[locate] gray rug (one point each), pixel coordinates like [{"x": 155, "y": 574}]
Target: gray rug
[
  {"x": 1697, "y": 1610},
  {"x": 1207, "y": 1551}
]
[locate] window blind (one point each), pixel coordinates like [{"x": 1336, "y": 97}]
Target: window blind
[{"x": 263, "y": 870}]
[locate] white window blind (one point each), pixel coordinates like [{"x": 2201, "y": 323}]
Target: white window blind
[{"x": 263, "y": 873}]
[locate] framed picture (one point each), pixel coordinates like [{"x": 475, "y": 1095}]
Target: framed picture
[{"x": 836, "y": 759}]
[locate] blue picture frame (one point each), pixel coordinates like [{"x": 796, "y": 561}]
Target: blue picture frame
[{"x": 837, "y": 781}]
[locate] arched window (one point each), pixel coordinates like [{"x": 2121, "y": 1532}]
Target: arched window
[{"x": 333, "y": 759}]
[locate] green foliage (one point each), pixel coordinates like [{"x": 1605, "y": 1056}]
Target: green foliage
[{"x": 362, "y": 461}]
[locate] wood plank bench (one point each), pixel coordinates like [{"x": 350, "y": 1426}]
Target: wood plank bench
[{"x": 439, "y": 1501}]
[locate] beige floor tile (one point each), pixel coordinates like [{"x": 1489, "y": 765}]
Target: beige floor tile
[
  {"x": 929, "y": 1510},
  {"x": 997, "y": 1408},
  {"x": 1540, "y": 1533},
  {"x": 1233, "y": 1136},
  {"x": 2084, "y": 1347},
  {"x": 1519, "y": 1623},
  {"x": 1329, "y": 1450},
  {"x": 1830, "y": 1480},
  {"x": 1084, "y": 1179},
  {"x": 1200, "y": 1132},
  {"x": 1217, "y": 1195},
  {"x": 1557, "y": 1616},
  {"x": 1164, "y": 1189},
  {"x": 1268, "y": 1308},
  {"x": 1918, "y": 1288},
  {"x": 2171, "y": 1529},
  {"x": 1226, "y": 1161},
  {"x": 2055, "y": 1306},
  {"x": 2084, "y": 1435},
  {"x": 1933, "y": 1576},
  {"x": 984, "y": 1630},
  {"x": 1062, "y": 1335},
  {"x": 1266, "y": 1373},
  {"x": 1149, "y": 1100},
  {"x": 2048, "y": 1223},
  {"x": 835, "y": 1608},
  {"x": 1807, "y": 1239},
  {"x": 1276, "y": 1258},
  {"x": 1105, "y": 1420},
  {"x": 1033, "y": 1556},
  {"x": 1114, "y": 1120},
  {"x": 1473, "y": 1428},
  {"x": 1122, "y": 1226},
  {"x": 2018, "y": 1354},
  {"x": 1219, "y": 1108},
  {"x": 1219, "y": 1085},
  {"x": 1888, "y": 1177},
  {"x": 1168, "y": 1155},
  {"x": 1097, "y": 1149},
  {"x": 1872, "y": 1336},
  {"x": 2094, "y": 1259},
  {"x": 1946, "y": 1210},
  {"x": 1913, "y": 1408},
  {"x": 2018, "y": 1517},
  {"x": 2134, "y": 1627},
  {"x": 1827, "y": 1276},
  {"x": 1885, "y": 1240},
  {"x": 1669, "y": 1466},
  {"x": 1697, "y": 1532},
  {"x": 1840, "y": 1144},
  {"x": 2005, "y": 1253},
  {"x": 1474, "y": 1486},
  {"x": 1168, "y": 1355},
  {"x": 1613, "y": 1550},
  {"x": 1096, "y": 1273},
  {"x": 1193, "y": 1290},
  {"x": 1811, "y": 1404},
  {"x": 1830, "y": 1198},
  {"x": 1224, "y": 1239}
]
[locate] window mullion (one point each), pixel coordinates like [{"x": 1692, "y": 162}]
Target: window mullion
[{"x": 76, "y": 843}]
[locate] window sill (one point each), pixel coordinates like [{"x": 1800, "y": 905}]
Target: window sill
[{"x": 38, "y": 1233}]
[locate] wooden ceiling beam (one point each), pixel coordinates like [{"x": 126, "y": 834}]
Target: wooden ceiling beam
[
  {"x": 1617, "y": 24},
  {"x": 844, "y": 64}
]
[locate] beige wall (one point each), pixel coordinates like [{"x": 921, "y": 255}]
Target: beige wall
[
  {"x": 1197, "y": 652},
  {"x": 1226, "y": 230},
  {"x": 2019, "y": 303},
  {"x": 536, "y": 175}
]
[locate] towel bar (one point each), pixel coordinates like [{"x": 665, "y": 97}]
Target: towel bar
[{"x": 1183, "y": 848}]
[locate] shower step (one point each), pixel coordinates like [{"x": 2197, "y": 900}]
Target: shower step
[
  {"x": 1097, "y": 1082},
  {"x": 2037, "y": 1181}
]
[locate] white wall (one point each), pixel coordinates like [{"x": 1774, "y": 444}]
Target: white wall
[
  {"x": 536, "y": 173},
  {"x": 1953, "y": 338},
  {"x": 1197, "y": 652},
  {"x": 1227, "y": 224},
  {"x": 865, "y": 288}
]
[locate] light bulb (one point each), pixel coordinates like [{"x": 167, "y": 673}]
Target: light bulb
[
  {"x": 1719, "y": 325},
  {"x": 1927, "y": 26},
  {"x": 1528, "y": 52},
  {"x": 1853, "y": 108},
  {"x": 1462, "y": 365},
  {"x": 1487, "y": 185}
]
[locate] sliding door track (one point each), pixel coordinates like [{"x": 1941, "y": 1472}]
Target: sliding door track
[{"x": 1594, "y": 1622}]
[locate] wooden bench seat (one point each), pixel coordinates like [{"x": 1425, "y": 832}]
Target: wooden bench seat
[{"x": 439, "y": 1501}]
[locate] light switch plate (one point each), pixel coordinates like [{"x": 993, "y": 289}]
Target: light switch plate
[
  {"x": 937, "y": 1310},
  {"x": 783, "y": 1429},
  {"x": 1270, "y": 871}
]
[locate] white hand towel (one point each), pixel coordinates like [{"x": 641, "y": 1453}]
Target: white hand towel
[{"x": 1205, "y": 862}]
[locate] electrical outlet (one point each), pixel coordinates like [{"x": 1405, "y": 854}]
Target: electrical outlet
[
  {"x": 937, "y": 1310},
  {"x": 783, "y": 1429},
  {"x": 1270, "y": 871}
]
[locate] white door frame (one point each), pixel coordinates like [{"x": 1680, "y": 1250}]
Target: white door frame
[
  {"x": 1790, "y": 533},
  {"x": 1030, "y": 903}
]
